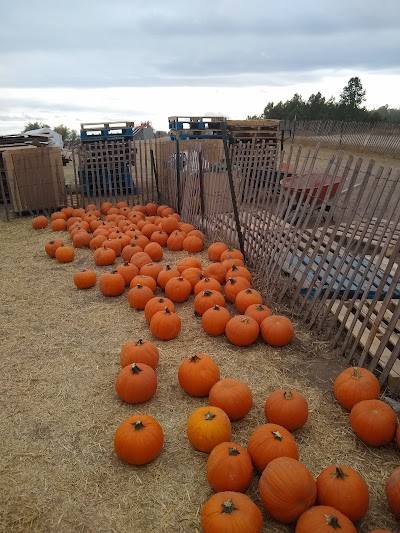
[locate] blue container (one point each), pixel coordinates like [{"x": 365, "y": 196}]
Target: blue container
[{"x": 99, "y": 184}]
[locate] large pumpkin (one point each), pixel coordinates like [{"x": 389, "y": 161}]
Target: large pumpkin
[
  {"x": 355, "y": 384},
  {"x": 197, "y": 374},
  {"x": 242, "y": 330},
  {"x": 287, "y": 489},
  {"x": 374, "y": 422},
  {"x": 229, "y": 467},
  {"x": 231, "y": 512},
  {"x": 165, "y": 325},
  {"x": 138, "y": 440},
  {"x": 393, "y": 492},
  {"x": 215, "y": 319},
  {"x": 323, "y": 519},
  {"x": 208, "y": 426},
  {"x": 287, "y": 408},
  {"x": 344, "y": 489},
  {"x": 232, "y": 396},
  {"x": 269, "y": 441}
]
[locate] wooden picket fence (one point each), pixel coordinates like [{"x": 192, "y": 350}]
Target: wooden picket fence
[{"x": 329, "y": 240}]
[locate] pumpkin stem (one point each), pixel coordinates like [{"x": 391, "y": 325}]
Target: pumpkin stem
[
  {"x": 356, "y": 374},
  {"x": 167, "y": 311},
  {"x": 339, "y": 473},
  {"x": 216, "y": 308},
  {"x": 139, "y": 286},
  {"x": 207, "y": 293},
  {"x": 249, "y": 291},
  {"x": 194, "y": 359},
  {"x": 138, "y": 424},
  {"x": 126, "y": 263},
  {"x": 140, "y": 342},
  {"x": 228, "y": 507},
  {"x": 135, "y": 369},
  {"x": 210, "y": 416},
  {"x": 332, "y": 521},
  {"x": 233, "y": 451},
  {"x": 260, "y": 307},
  {"x": 287, "y": 395},
  {"x": 277, "y": 435}
]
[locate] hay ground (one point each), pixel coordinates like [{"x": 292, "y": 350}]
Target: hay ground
[{"x": 59, "y": 360}]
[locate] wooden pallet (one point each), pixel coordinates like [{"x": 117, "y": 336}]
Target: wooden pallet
[
  {"x": 394, "y": 375},
  {"x": 373, "y": 232},
  {"x": 96, "y": 126}
]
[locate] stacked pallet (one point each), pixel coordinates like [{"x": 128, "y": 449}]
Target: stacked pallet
[
  {"x": 268, "y": 130},
  {"x": 186, "y": 128}
]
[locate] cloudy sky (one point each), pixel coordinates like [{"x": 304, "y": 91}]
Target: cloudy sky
[{"x": 104, "y": 60}]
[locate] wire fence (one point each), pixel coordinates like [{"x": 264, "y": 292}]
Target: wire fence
[{"x": 361, "y": 137}]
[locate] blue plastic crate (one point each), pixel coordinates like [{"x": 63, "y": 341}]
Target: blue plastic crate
[{"x": 98, "y": 184}]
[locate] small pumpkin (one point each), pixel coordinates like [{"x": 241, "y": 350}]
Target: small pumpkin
[
  {"x": 193, "y": 275},
  {"x": 138, "y": 296},
  {"x": 286, "y": 407},
  {"x": 344, "y": 489},
  {"x": 277, "y": 330},
  {"x": 40, "y": 222},
  {"x": 287, "y": 489},
  {"x": 82, "y": 239},
  {"x": 165, "y": 325},
  {"x": 175, "y": 241},
  {"x": 192, "y": 244},
  {"x": 151, "y": 269},
  {"x": 232, "y": 396},
  {"x": 207, "y": 284},
  {"x": 239, "y": 272},
  {"x": 140, "y": 259},
  {"x": 157, "y": 304},
  {"x": 146, "y": 281},
  {"x": 178, "y": 289},
  {"x": 111, "y": 284},
  {"x": 65, "y": 254},
  {"x": 229, "y": 467},
  {"x": 246, "y": 298},
  {"x": 155, "y": 251},
  {"x": 206, "y": 300},
  {"x": 208, "y": 426},
  {"x": 159, "y": 237},
  {"x": 85, "y": 279},
  {"x": 392, "y": 489},
  {"x": 231, "y": 512},
  {"x": 215, "y": 250},
  {"x": 127, "y": 271},
  {"x": 51, "y": 247},
  {"x": 139, "y": 351},
  {"x": 258, "y": 312},
  {"x": 233, "y": 286},
  {"x": 104, "y": 256},
  {"x": 216, "y": 271},
  {"x": 166, "y": 274},
  {"x": 269, "y": 441},
  {"x": 374, "y": 422},
  {"x": 188, "y": 262},
  {"x": 323, "y": 519},
  {"x": 214, "y": 320},
  {"x": 138, "y": 439},
  {"x": 242, "y": 330},
  {"x": 197, "y": 374},
  {"x": 355, "y": 384},
  {"x": 136, "y": 383}
]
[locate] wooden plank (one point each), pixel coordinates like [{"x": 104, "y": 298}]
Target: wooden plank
[
  {"x": 255, "y": 123},
  {"x": 346, "y": 314}
]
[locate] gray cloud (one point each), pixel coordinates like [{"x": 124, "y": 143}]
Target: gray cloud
[{"x": 99, "y": 43}]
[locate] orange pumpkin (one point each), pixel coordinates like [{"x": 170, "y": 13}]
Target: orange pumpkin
[
  {"x": 242, "y": 330},
  {"x": 269, "y": 441},
  {"x": 139, "y": 351},
  {"x": 146, "y": 281},
  {"x": 104, "y": 256},
  {"x": 65, "y": 254},
  {"x": 208, "y": 426},
  {"x": 235, "y": 285},
  {"x": 51, "y": 247},
  {"x": 231, "y": 512},
  {"x": 207, "y": 284},
  {"x": 111, "y": 284},
  {"x": 165, "y": 275},
  {"x": 85, "y": 279},
  {"x": 59, "y": 224},
  {"x": 324, "y": 518},
  {"x": 392, "y": 489},
  {"x": 127, "y": 271},
  {"x": 229, "y": 467},
  {"x": 258, "y": 312},
  {"x": 155, "y": 251},
  {"x": 288, "y": 408},
  {"x": 138, "y": 440},
  {"x": 178, "y": 289},
  {"x": 246, "y": 298},
  {"x": 344, "y": 489},
  {"x": 157, "y": 304},
  {"x": 207, "y": 299},
  {"x": 136, "y": 383},
  {"x": 215, "y": 250},
  {"x": 192, "y": 244},
  {"x": 287, "y": 489},
  {"x": 165, "y": 325},
  {"x": 197, "y": 374},
  {"x": 138, "y": 296},
  {"x": 355, "y": 384},
  {"x": 374, "y": 422},
  {"x": 40, "y": 222},
  {"x": 277, "y": 330},
  {"x": 232, "y": 396},
  {"x": 214, "y": 320}
]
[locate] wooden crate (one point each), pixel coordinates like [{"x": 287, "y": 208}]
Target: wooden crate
[
  {"x": 35, "y": 178},
  {"x": 246, "y": 130}
]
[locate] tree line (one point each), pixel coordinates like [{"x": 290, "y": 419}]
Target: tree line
[{"x": 317, "y": 107}]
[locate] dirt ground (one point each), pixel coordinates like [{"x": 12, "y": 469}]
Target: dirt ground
[{"x": 59, "y": 410}]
